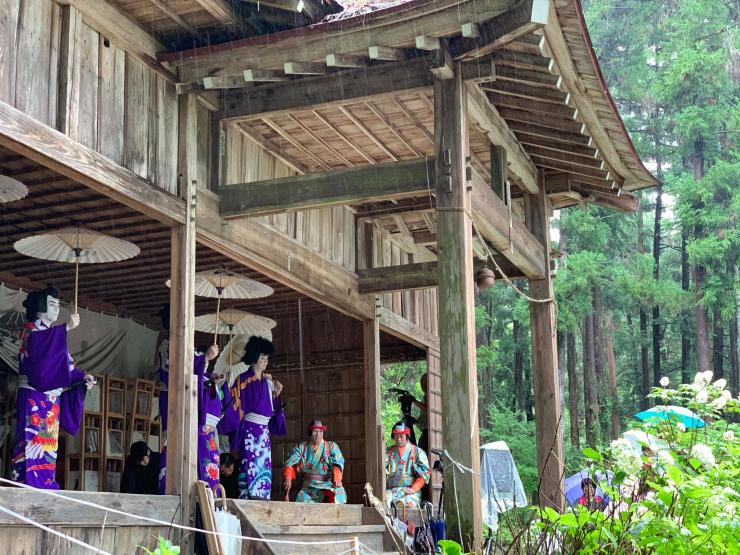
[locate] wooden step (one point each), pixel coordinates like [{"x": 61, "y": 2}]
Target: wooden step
[
  {"x": 284, "y": 513},
  {"x": 372, "y": 539},
  {"x": 328, "y": 529}
]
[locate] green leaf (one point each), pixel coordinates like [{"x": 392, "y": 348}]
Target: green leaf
[
  {"x": 592, "y": 454},
  {"x": 569, "y": 520},
  {"x": 449, "y": 547}
]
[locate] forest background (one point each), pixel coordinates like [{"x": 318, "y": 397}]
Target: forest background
[{"x": 644, "y": 295}]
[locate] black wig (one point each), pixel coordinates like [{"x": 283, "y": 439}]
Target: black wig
[
  {"x": 255, "y": 347},
  {"x": 36, "y": 302},
  {"x": 164, "y": 315}
]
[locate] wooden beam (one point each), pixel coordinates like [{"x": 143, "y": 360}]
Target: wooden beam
[
  {"x": 367, "y": 132},
  {"x": 546, "y": 380},
  {"x": 456, "y": 307},
  {"x": 220, "y": 10},
  {"x": 505, "y": 231},
  {"x": 337, "y": 88},
  {"x": 398, "y": 326},
  {"x": 527, "y": 16},
  {"x": 490, "y": 121},
  {"x": 224, "y": 82},
  {"x": 345, "y": 60},
  {"x": 264, "y": 75},
  {"x": 314, "y": 190},
  {"x": 425, "y": 42},
  {"x": 374, "y": 444},
  {"x": 31, "y": 138},
  {"x": 386, "y": 53},
  {"x": 419, "y": 275},
  {"x": 304, "y": 68}
]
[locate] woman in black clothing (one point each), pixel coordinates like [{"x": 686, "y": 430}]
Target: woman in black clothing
[{"x": 140, "y": 474}]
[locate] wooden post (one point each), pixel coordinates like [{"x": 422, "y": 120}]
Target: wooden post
[
  {"x": 183, "y": 400},
  {"x": 374, "y": 446},
  {"x": 456, "y": 309},
  {"x": 545, "y": 361}
]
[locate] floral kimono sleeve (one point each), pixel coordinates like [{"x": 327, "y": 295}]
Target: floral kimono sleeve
[
  {"x": 335, "y": 456},
  {"x": 421, "y": 465}
]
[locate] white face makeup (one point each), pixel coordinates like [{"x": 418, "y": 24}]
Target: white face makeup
[{"x": 52, "y": 311}]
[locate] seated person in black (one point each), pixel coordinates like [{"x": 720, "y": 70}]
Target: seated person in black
[
  {"x": 229, "y": 477},
  {"x": 140, "y": 471}
]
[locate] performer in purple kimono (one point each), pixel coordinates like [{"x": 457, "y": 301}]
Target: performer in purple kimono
[
  {"x": 51, "y": 390},
  {"x": 209, "y": 414},
  {"x": 253, "y": 412}
]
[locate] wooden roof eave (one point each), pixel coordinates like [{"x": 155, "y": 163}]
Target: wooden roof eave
[{"x": 559, "y": 48}]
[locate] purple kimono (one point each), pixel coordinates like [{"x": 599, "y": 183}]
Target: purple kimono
[
  {"x": 51, "y": 392},
  {"x": 250, "y": 419},
  {"x": 209, "y": 414}
]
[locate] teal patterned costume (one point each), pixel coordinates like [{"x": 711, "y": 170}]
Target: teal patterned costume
[
  {"x": 319, "y": 468},
  {"x": 405, "y": 469}
]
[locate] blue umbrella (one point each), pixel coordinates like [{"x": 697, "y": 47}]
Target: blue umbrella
[
  {"x": 573, "y": 489},
  {"x": 672, "y": 412}
]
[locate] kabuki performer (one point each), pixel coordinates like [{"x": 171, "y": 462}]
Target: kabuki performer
[
  {"x": 322, "y": 465},
  {"x": 51, "y": 390},
  {"x": 252, "y": 413},
  {"x": 407, "y": 469},
  {"x": 209, "y": 409}
]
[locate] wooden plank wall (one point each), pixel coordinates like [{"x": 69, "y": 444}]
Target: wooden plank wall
[
  {"x": 61, "y": 72},
  {"x": 434, "y": 416},
  {"x": 418, "y": 306},
  {"x": 329, "y": 232},
  {"x": 330, "y": 387}
]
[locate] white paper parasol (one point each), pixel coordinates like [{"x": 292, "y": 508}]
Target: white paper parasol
[
  {"x": 76, "y": 245},
  {"x": 11, "y": 189},
  {"x": 224, "y": 284},
  {"x": 236, "y": 322}
]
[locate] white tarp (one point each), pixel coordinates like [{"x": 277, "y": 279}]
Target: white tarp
[
  {"x": 500, "y": 484},
  {"x": 102, "y": 344}
]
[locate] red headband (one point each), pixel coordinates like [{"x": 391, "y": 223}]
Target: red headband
[
  {"x": 315, "y": 427},
  {"x": 401, "y": 431}
]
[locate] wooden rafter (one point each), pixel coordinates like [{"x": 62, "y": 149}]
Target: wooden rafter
[
  {"x": 343, "y": 137},
  {"x": 174, "y": 16},
  {"x": 220, "y": 10},
  {"x": 271, "y": 148},
  {"x": 370, "y": 135},
  {"x": 279, "y": 130}
]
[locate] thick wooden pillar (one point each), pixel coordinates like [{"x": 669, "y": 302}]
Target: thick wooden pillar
[
  {"x": 456, "y": 309},
  {"x": 374, "y": 444},
  {"x": 183, "y": 401},
  {"x": 545, "y": 361}
]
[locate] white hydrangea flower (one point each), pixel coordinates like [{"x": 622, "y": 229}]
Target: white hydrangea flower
[
  {"x": 702, "y": 396},
  {"x": 701, "y": 378},
  {"x": 719, "y": 403},
  {"x": 625, "y": 457},
  {"x": 729, "y": 435},
  {"x": 681, "y": 426},
  {"x": 664, "y": 381},
  {"x": 703, "y": 453},
  {"x": 721, "y": 383}
]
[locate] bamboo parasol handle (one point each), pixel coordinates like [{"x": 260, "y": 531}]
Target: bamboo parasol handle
[
  {"x": 218, "y": 310},
  {"x": 77, "y": 279}
]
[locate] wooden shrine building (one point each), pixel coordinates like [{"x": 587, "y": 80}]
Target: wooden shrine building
[{"x": 361, "y": 165}]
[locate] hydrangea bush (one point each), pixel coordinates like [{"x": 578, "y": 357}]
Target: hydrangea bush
[{"x": 681, "y": 495}]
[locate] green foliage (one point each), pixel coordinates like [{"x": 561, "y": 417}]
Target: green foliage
[{"x": 164, "y": 547}]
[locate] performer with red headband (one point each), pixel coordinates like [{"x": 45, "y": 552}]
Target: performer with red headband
[
  {"x": 407, "y": 469},
  {"x": 322, "y": 465}
]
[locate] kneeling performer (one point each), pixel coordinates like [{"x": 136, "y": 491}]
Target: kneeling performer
[
  {"x": 322, "y": 465},
  {"x": 407, "y": 468}
]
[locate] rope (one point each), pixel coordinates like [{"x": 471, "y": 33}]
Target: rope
[
  {"x": 168, "y": 524},
  {"x": 52, "y": 531},
  {"x": 503, "y": 275}
]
